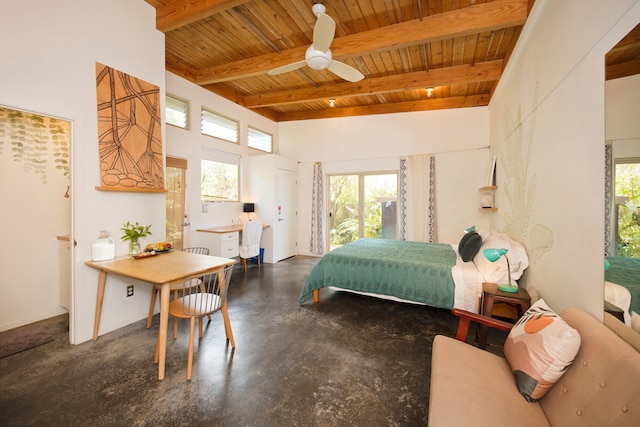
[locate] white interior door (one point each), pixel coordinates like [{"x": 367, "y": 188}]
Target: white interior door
[{"x": 286, "y": 221}]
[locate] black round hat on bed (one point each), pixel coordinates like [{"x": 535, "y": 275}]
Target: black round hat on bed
[{"x": 469, "y": 246}]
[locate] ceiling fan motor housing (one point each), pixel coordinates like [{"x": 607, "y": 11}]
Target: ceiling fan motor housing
[{"x": 316, "y": 59}]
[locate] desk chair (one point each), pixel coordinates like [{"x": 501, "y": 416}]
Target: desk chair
[
  {"x": 174, "y": 288},
  {"x": 250, "y": 247},
  {"x": 201, "y": 296}
]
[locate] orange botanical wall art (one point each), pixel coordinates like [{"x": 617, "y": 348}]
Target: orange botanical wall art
[{"x": 129, "y": 132}]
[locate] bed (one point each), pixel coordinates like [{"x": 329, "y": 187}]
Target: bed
[
  {"x": 424, "y": 273},
  {"x": 622, "y": 284}
]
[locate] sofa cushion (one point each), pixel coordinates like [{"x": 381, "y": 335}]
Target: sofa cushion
[
  {"x": 630, "y": 336},
  {"x": 540, "y": 348},
  {"x": 472, "y": 387},
  {"x": 597, "y": 389}
]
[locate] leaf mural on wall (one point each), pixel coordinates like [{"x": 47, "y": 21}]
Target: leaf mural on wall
[
  {"x": 35, "y": 140},
  {"x": 519, "y": 188}
]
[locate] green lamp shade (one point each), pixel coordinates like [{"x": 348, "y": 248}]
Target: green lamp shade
[{"x": 493, "y": 254}]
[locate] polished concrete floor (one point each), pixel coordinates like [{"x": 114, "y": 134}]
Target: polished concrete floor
[{"x": 348, "y": 361}]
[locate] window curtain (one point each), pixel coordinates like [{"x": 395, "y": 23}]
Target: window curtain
[
  {"x": 609, "y": 184},
  {"x": 316, "y": 244},
  {"x": 418, "y": 198}
]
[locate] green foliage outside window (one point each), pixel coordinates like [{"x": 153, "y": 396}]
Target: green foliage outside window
[
  {"x": 344, "y": 206},
  {"x": 219, "y": 181},
  {"x": 628, "y": 185}
]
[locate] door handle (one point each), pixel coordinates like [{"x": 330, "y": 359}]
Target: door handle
[
  {"x": 186, "y": 224},
  {"x": 280, "y": 219}
]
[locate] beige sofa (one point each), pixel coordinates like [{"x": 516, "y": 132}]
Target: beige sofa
[{"x": 472, "y": 387}]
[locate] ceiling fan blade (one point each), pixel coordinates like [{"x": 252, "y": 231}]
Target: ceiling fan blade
[
  {"x": 345, "y": 71},
  {"x": 323, "y": 32},
  {"x": 287, "y": 68}
]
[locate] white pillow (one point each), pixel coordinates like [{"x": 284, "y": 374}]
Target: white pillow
[
  {"x": 540, "y": 348},
  {"x": 496, "y": 272}
]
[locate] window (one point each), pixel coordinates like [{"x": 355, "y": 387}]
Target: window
[
  {"x": 260, "y": 140},
  {"x": 213, "y": 124},
  {"x": 219, "y": 176},
  {"x": 177, "y": 112},
  {"x": 362, "y": 205},
  {"x": 627, "y": 191}
]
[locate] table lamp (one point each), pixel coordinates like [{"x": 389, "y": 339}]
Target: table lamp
[
  {"x": 248, "y": 208},
  {"x": 493, "y": 254}
]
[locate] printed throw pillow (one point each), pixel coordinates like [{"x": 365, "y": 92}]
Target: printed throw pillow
[
  {"x": 469, "y": 246},
  {"x": 540, "y": 348}
]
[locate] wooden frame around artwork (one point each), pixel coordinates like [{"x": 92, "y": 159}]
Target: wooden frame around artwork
[{"x": 129, "y": 133}]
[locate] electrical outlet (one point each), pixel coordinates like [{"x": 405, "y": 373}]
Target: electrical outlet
[{"x": 130, "y": 290}]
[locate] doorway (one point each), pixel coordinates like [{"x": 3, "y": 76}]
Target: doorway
[
  {"x": 362, "y": 205},
  {"x": 286, "y": 190},
  {"x": 177, "y": 218}
]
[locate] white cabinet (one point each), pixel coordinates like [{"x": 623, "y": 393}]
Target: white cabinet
[{"x": 226, "y": 245}]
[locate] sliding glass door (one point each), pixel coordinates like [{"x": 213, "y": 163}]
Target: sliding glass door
[
  {"x": 627, "y": 191},
  {"x": 362, "y": 205}
]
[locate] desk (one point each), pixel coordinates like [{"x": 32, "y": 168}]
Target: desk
[
  {"x": 165, "y": 270},
  {"x": 226, "y": 240},
  {"x": 226, "y": 229}
]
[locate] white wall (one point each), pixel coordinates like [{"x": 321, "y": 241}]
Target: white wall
[
  {"x": 49, "y": 68},
  {"x": 548, "y": 111},
  {"x": 458, "y": 138},
  {"x": 187, "y": 144},
  {"x": 622, "y": 125}
]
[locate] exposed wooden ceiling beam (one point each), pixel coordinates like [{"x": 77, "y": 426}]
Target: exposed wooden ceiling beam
[
  {"x": 461, "y": 74},
  {"x": 432, "y": 104},
  {"x": 183, "y": 12},
  {"x": 460, "y": 22},
  {"x": 625, "y": 69},
  {"x": 177, "y": 66}
]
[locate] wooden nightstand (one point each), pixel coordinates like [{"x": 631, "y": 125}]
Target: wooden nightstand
[{"x": 519, "y": 301}]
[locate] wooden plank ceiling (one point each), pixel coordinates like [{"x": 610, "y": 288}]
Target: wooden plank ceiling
[{"x": 456, "y": 47}]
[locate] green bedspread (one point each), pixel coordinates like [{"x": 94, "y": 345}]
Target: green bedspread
[
  {"x": 626, "y": 272},
  {"x": 414, "y": 271}
]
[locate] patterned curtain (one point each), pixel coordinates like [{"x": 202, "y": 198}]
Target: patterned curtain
[
  {"x": 418, "y": 198},
  {"x": 609, "y": 234},
  {"x": 316, "y": 244}
]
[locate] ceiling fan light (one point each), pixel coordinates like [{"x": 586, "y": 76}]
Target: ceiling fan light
[
  {"x": 316, "y": 59},
  {"x": 318, "y": 8}
]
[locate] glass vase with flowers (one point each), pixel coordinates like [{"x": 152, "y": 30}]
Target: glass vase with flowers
[{"x": 133, "y": 233}]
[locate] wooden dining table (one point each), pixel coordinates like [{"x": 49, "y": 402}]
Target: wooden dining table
[{"x": 165, "y": 270}]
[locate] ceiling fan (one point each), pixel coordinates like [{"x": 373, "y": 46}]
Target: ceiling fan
[{"x": 318, "y": 55}]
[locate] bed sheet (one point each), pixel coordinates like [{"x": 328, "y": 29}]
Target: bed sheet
[
  {"x": 415, "y": 272},
  {"x": 625, "y": 272}
]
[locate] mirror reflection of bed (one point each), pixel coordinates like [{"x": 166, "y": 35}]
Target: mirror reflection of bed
[{"x": 622, "y": 87}]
